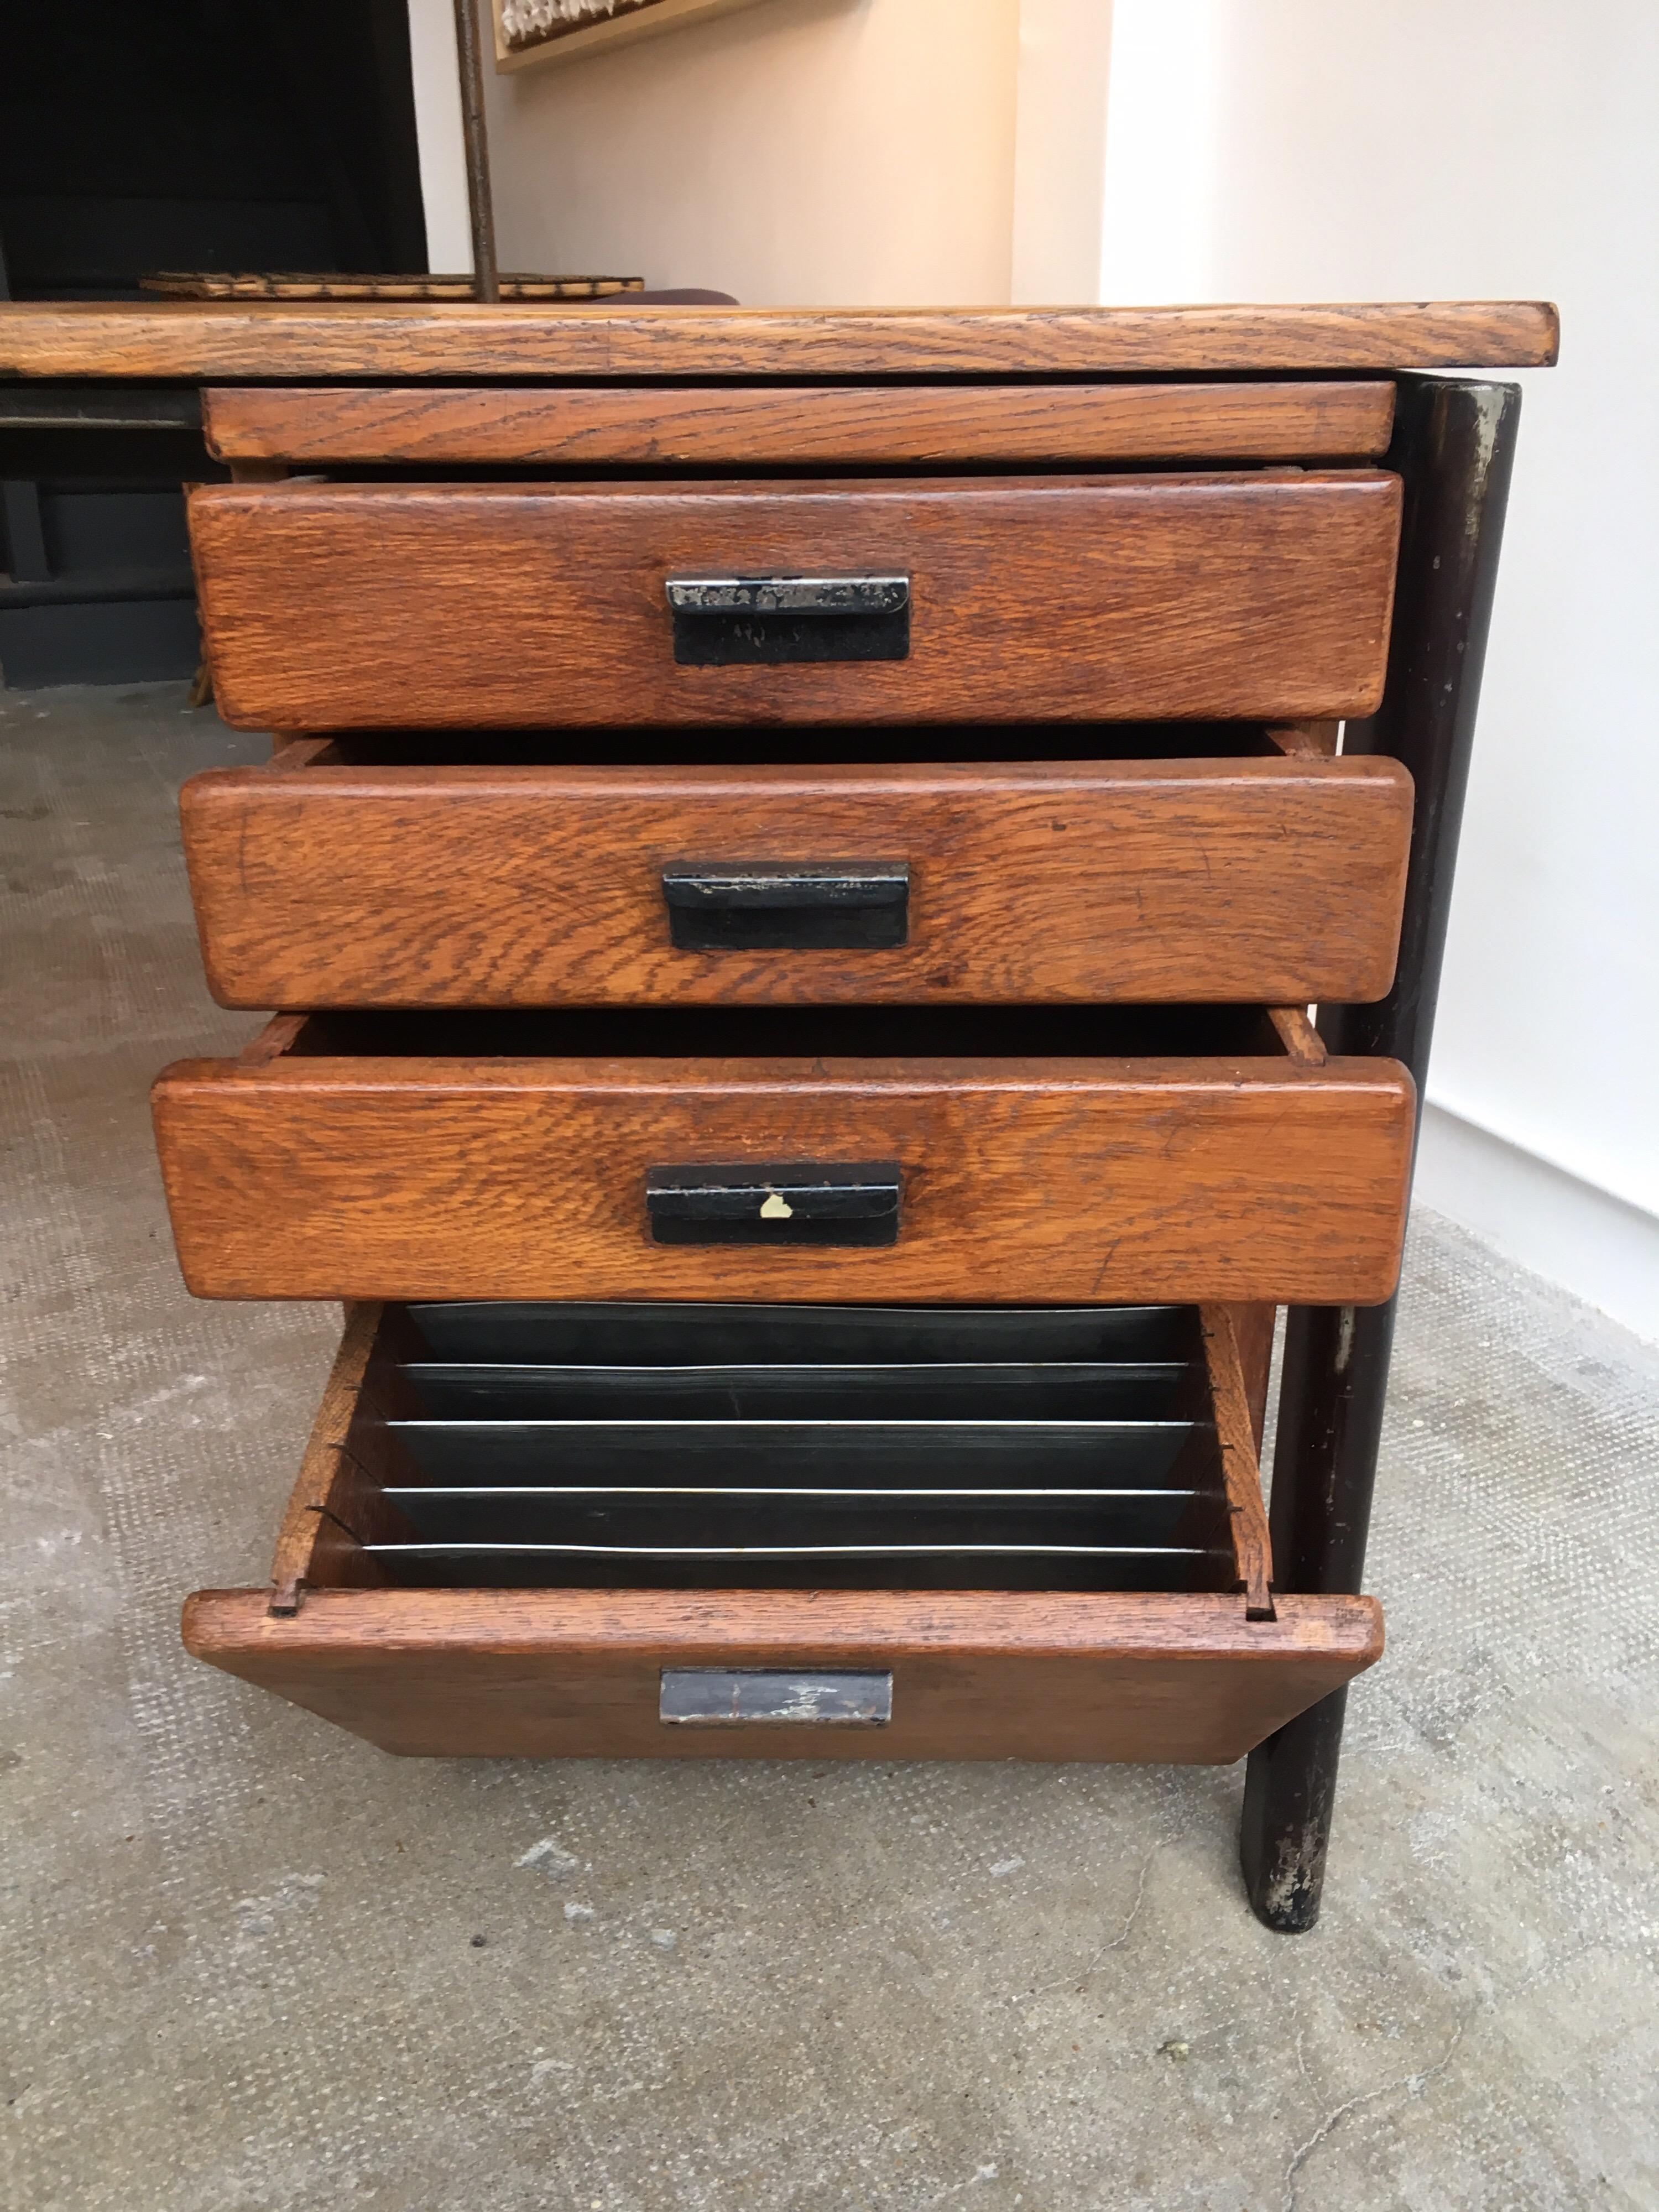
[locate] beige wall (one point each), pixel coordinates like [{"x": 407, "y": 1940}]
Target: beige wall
[
  {"x": 803, "y": 152},
  {"x": 1060, "y": 150}
]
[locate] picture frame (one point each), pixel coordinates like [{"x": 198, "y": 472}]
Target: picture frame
[{"x": 529, "y": 32}]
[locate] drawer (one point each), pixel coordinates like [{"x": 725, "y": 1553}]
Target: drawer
[
  {"x": 582, "y": 1531},
  {"x": 829, "y": 1153},
  {"x": 404, "y": 883},
  {"x": 797, "y": 426},
  {"x": 337, "y": 606}
]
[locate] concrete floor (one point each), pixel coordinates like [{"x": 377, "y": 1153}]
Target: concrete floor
[{"x": 252, "y": 1963}]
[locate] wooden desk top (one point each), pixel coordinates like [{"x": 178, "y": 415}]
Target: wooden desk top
[{"x": 241, "y": 341}]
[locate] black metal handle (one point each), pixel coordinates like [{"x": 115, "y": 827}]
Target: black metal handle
[
  {"x": 753, "y": 906},
  {"x": 729, "y": 621},
  {"x": 813, "y": 1202}
]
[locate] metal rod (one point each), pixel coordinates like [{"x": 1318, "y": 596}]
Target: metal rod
[
  {"x": 1454, "y": 445},
  {"x": 469, "y": 53}
]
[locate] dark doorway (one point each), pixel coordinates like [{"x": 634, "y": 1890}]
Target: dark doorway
[{"x": 180, "y": 135}]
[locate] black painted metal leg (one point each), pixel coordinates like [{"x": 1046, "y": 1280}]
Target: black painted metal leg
[{"x": 1454, "y": 446}]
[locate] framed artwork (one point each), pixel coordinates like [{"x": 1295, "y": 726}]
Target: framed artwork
[{"x": 530, "y": 31}]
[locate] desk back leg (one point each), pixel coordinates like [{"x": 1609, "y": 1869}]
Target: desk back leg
[{"x": 1454, "y": 445}]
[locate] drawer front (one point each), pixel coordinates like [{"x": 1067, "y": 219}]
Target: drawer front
[
  {"x": 1199, "y": 1669},
  {"x": 1253, "y": 1180},
  {"x": 578, "y": 1674},
  {"x": 353, "y": 606},
  {"x": 1263, "y": 881},
  {"x": 783, "y": 426}
]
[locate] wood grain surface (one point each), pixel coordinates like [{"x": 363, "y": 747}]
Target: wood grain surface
[
  {"x": 1304, "y": 740},
  {"x": 1300, "y": 1039},
  {"x": 1260, "y": 880},
  {"x": 573, "y": 1674},
  {"x": 1240, "y": 1475},
  {"x": 337, "y": 1504},
  {"x": 1253, "y": 1333},
  {"x": 1116, "y": 1179},
  {"x": 786, "y": 426},
  {"x": 225, "y": 342},
  {"x": 353, "y": 606}
]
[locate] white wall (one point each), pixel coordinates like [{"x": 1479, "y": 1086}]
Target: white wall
[
  {"x": 1059, "y": 150},
  {"x": 803, "y": 152},
  {"x": 438, "y": 135},
  {"x": 969, "y": 151},
  {"x": 1289, "y": 150},
  {"x": 859, "y": 151}
]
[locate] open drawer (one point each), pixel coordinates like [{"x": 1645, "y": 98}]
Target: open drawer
[
  {"x": 606, "y": 604},
  {"x": 410, "y": 873},
  {"x": 673, "y": 1531},
  {"x": 820, "y": 1153}
]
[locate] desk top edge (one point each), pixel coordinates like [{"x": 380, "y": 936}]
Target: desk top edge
[{"x": 236, "y": 341}]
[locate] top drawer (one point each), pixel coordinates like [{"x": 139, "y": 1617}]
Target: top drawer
[
  {"x": 697, "y": 426},
  {"x": 523, "y": 606}
]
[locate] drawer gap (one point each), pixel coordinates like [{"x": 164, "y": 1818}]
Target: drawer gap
[
  {"x": 812, "y": 1033},
  {"x": 883, "y": 746}
]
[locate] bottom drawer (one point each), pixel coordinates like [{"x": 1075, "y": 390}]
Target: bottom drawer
[{"x": 670, "y": 1531}]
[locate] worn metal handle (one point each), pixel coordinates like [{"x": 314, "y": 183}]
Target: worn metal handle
[
  {"x": 740, "y": 1697},
  {"x": 828, "y": 906},
  {"x": 729, "y": 620},
  {"x": 829, "y": 1202},
  {"x": 790, "y": 595}
]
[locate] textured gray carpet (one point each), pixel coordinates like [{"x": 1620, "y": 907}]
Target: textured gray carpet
[{"x": 241, "y": 1965}]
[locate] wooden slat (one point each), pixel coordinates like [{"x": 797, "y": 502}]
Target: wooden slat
[
  {"x": 1115, "y": 1180},
  {"x": 350, "y": 606},
  {"x": 785, "y": 427},
  {"x": 225, "y": 342},
  {"x": 1300, "y": 1039},
  {"x": 271, "y": 1041},
  {"x": 574, "y": 1673},
  {"x": 1255, "y": 880},
  {"x": 1253, "y": 1332},
  {"x": 1240, "y": 1474},
  {"x": 1305, "y": 740},
  {"x": 336, "y": 1504}
]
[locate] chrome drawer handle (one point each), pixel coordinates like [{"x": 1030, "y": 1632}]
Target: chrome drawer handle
[
  {"x": 828, "y": 1202},
  {"x": 746, "y": 1697},
  {"x": 723, "y": 621},
  {"x": 832, "y": 906}
]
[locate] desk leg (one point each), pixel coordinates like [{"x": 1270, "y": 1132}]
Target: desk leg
[{"x": 1454, "y": 445}]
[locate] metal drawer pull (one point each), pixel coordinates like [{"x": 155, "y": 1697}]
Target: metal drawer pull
[
  {"x": 727, "y": 620},
  {"x": 794, "y": 595},
  {"x": 828, "y": 1202},
  {"x": 740, "y": 1697},
  {"x": 820, "y": 906}
]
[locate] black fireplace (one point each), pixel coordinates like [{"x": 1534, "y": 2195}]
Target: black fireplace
[{"x": 182, "y": 134}]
